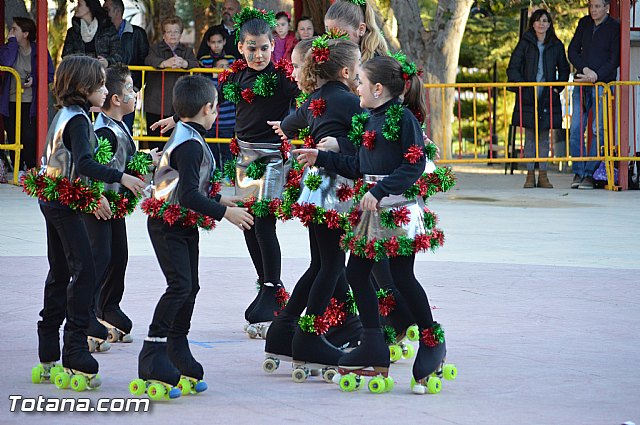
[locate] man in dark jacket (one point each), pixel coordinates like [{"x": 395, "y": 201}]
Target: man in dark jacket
[
  {"x": 595, "y": 53},
  {"x": 229, "y": 10},
  {"x": 134, "y": 43}
]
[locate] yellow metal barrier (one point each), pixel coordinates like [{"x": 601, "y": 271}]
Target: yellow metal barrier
[{"x": 16, "y": 146}]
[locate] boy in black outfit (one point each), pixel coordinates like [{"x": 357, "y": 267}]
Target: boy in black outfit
[{"x": 182, "y": 180}]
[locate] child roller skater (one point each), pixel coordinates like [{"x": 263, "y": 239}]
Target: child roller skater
[
  {"x": 262, "y": 91},
  {"x": 329, "y": 73},
  {"x": 65, "y": 187},
  {"x": 109, "y": 237},
  {"x": 179, "y": 205},
  {"x": 388, "y": 221}
]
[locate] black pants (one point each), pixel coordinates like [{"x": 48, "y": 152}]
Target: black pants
[
  {"x": 358, "y": 275},
  {"x": 110, "y": 255},
  {"x": 68, "y": 289},
  {"x": 176, "y": 248},
  {"x": 28, "y": 131},
  {"x": 264, "y": 248},
  {"x": 325, "y": 275}
]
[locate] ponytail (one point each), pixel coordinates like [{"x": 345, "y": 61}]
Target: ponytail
[{"x": 342, "y": 54}]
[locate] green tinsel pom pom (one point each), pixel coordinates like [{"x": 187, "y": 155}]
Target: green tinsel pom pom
[
  {"x": 140, "y": 163},
  {"x": 412, "y": 192},
  {"x": 217, "y": 176},
  {"x": 265, "y": 84},
  {"x": 256, "y": 170},
  {"x": 295, "y": 165},
  {"x": 249, "y": 13},
  {"x": 318, "y": 215},
  {"x": 97, "y": 186},
  {"x": 350, "y": 303},
  {"x": 301, "y": 98},
  {"x": 386, "y": 219},
  {"x": 390, "y": 334},
  {"x": 430, "y": 151},
  {"x": 229, "y": 169},
  {"x": 261, "y": 208},
  {"x": 313, "y": 181},
  {"x": 104, "y": 153},
  {"x": 307, "y": 322},
  {"x": 304, "y": 132},
  {"x": 49, "y": 190},
  {"x": 320, "y": 43},
  {"x": 406, "y": 246},
  {"x": 381, "y": 293},
  {"x": 447, "y": 178},
  {"x": 438, "y": 333},
  {"x": 232, "y": 92},
  {"x": 429, "y": 220},
  {"x": 391, "y": 128},
  {"x": 357, "y": 128}
]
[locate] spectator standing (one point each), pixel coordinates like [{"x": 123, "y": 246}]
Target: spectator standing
[
  {"x": 20, "y": 53},
  {"x": 285, "y": 40},
  {"x": 168, "y": 53},
  {"x": 134, "y": 44},
  {"x": 229, "y": 9},
  {"x": 92, "y": 34},
  {"x": 538, "y": 57},
  {"x": 304, "y": 28},
  {"x": 595, "y": 53},
  {"x": 216, "y": 49}
]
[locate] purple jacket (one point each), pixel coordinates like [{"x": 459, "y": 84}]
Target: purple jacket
[{"x": 8, "y": 56}]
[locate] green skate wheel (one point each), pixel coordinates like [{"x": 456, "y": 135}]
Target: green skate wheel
[
  {"x": 450, "y": 372},
  {"x": 36, "y": 374},
  {"x": 156, "y": 391},
  {"x": 137, "y": 387},
  {"x": 388, "y": 384},
  {"x": 409, "y": 351},
  {"x": 78, "y": 383},
  {"x": 62, "y": 380},
  {"x": 56, "y": 369},
  {"x": 413, "y": 382},
  {"x": 395, "y": 353},
  {"x": 377, "y": 385},
  {"x": 185, "y": 386},
  {"x": 348, "y": 383},
  {"x": 434, "y": 385},
  {"x": 413, "y": 333}
]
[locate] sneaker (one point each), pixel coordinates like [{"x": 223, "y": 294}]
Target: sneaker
[
  {"x": 586, "y": 183},
  {"x": 576, "y": 181}
]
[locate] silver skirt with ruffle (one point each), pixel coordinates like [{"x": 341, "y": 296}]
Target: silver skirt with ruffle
[
  {"x": 370, "y": 224},
  {"x": 325, "y": 195},
  {"x": 271, "y": 184}
]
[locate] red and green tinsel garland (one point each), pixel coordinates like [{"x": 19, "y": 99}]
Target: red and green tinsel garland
[
  {"x": 309, "y": 213},
  {"x": 76, "y": 195},
  {"x": 395, "y": 217},
  {"x": 282, "y": 297},
  {"x": 313, "y": 181},
  {"x": 356, "y": 131},
  {"x": 391, "y": 127},
  {"x": 377, "y": 249},
  {"x": 173, "y": 214},
  {"x": 432, "y": 336},
  {"x": 263, "y": 207},
  {"x": 305, "y": 135},
  {"x": 386, "y": 301},
  {"x": 264, "y": 86}
]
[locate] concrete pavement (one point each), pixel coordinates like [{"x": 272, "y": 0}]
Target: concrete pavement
[{"x": 537, "y": 290}]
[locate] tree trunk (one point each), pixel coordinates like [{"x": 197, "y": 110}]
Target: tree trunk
[
  {"x": 316, "y": 9},
  {"x": 275, "y": 5},
  {"x": 57, "y": 31},
  {"x": 437, "y": 50},
  {"x": 156, "y": 11}
]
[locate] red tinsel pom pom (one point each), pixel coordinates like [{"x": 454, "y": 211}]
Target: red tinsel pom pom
[
  {"x": 401, "y": 216},
  {"x": 344, "y": 192},
  {"x": 354, "y": 217},
  {"x": 248, "y": 95},
  {"x": 422, "y": 242},
  {"x": 285, "y": 149},
  {"x": 233, "y": 147},
  {"x": 334, "y": 314},
  {"x": 282, "y": 296},
  {"x": 392, "y": 247},
  {"x": 238, "y": 65},
  {"x": 414, "y": 154},
  {"x": 172, "y": 214},
  {"x": 386, "y": 305},
  {"x": 321, "y": 55},
  {"x": 369, "y": 139},
  {"x": 332, "y": 218},
  {"x": 317, "y": 107}
]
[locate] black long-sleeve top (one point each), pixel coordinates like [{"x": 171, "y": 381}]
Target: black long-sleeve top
[
  {"x": 386, "y": 157},
  {"x": 596, "y": 47},
  {"x": 75, "y": 137},
  {"x": 187, "y": 158},
  {"x": 251, "y": 118},
  {"x": 335, "y": 121}
]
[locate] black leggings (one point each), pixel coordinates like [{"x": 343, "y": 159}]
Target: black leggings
[
  {"x": 264, "y": 248},
  {"x": 358, "y": 275},
  {"x": 325, "y": 275}
]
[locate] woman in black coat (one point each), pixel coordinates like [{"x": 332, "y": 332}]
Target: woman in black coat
[
  {"x": 538, "y": 57},
  {"x": 92, "y": 34}
]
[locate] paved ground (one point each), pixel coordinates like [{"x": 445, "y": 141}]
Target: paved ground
[{"x": 537, "y": 289}]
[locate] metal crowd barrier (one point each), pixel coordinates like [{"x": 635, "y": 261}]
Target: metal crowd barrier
[{"x": 16, "y": 146}]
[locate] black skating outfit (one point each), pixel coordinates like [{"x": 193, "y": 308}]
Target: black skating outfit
[
  {"x": 252, "y": 129},
  {"x": 385, "y": 159},
  {"x": 71, "y": 280},
  {"x": 176, "y": 247}
]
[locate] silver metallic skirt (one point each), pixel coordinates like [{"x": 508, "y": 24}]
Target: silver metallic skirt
[
  {"x": 325, "y": 195},
  {"x": 271, "y": 184},
  {"x": 370, "y": 223}
]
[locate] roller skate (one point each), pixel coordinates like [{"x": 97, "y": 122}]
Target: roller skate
[
  {"x": 97, "y": 336},
  {"x": 45, "y": 371},
  {"x": 80, "y": 372},
  {"x": 191, "y": 381},
  {"x": 271, "y": 299},
  {"x": 429, "y": 367},
  {"x": 370, "y": 359},
  {"x": 312, "y": 352},
  {"x": 277, "y": 346},
  {"x": 398, "y": 324},
  {"x": 158, "y": 377},
  {"x": 252, "y": 305},
  {"x": 347, "y": 335},
  {"x": 118, "y": 326}
]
